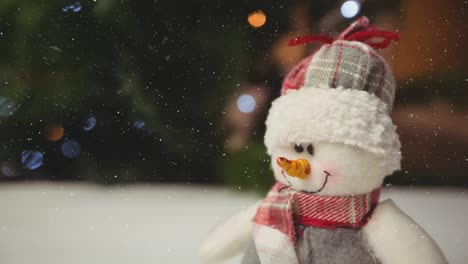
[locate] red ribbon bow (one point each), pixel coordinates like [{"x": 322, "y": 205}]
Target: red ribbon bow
[{"x": 360, "y": 31}]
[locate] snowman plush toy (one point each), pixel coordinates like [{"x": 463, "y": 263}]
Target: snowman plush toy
[{"x": 331, "y": 142}]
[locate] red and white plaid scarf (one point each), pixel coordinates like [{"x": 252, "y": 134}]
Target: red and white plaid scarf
[{"x": 283, "y": 208}]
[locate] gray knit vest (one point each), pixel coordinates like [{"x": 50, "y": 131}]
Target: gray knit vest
[{"x": 325, "y": 246}]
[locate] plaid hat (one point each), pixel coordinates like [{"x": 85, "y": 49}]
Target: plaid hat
[
  {"x": 342, "y": 93},
  {"x": 348, "y": 64}
]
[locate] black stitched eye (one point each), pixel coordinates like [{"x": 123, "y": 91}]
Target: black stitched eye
[
  {"x": 310, "y": 149},
  {"x": 298, "y": 148}
]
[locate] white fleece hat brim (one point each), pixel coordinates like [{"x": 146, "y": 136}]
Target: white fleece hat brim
[{"x": 347, "y": 116}]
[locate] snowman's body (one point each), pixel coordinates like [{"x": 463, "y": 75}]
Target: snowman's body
[
  {"x": 389, "y": 237},
  {"x": 332, "y": 143}
]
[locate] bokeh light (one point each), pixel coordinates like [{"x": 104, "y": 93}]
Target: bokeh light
[
  {"x": 139, "y": 125},
  {"x": 246, "y": 103},
  {"x": 71, "y": 149},
  {"x": 32, "y": 159},
  {"x": 350, "y": 8},
  {"x": 54, "y": 132},
  {"x": 75, "y": 7},
  {"x": 257, "y": 19},
  {"x": 9, "y": 169},
  {"x": 89, "y": 124},
  {"x": 7, "y": 107}
]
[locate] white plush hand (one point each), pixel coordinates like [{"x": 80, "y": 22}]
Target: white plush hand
[
  {"x": 228, "y": 239},
  {"x": 395, "y": 238}
]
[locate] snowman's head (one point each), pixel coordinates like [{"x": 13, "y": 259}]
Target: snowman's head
[
  {"x": 330, "y": 131},
  {"x": 331, "y": 142}
]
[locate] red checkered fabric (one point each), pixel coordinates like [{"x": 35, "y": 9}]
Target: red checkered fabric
[
  {"x": 284, "y": 207},
  {"x": 296, "y": 77}
]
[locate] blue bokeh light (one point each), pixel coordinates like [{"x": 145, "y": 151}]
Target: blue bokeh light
[
  {"x": 7, "y": 107},
  {"x": 350, "y": 8},
  {"x": 75, "y": 7},
  {"x": 32, "y": 159},
  {"x": 9, "y": 170},
  {"x": 139, "y": 125},
  {"x": 71, "y": 149},
  {"x": 89, "y": 124},
  {"x": 246, "y": 103}
]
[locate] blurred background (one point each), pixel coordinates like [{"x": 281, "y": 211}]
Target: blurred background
[
  {"x": 167, "y": 91},
  {"x": 122, "y": 93}
]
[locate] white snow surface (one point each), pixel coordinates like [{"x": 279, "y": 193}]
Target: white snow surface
[{"x": 70, "y": 223}]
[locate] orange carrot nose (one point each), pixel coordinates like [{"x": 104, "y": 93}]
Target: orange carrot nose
[{"x": 299, "y": 168}]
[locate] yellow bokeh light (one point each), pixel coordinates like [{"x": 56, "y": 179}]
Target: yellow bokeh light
[{"x": 257, "y": 19}]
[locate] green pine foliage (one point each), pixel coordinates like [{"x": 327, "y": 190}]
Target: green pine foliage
[{"x": 248, "y": 169}]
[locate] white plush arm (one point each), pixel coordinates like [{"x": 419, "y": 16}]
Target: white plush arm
[
  {"x": 395, "y": 238},
  {"x": 228, "y": 239}
]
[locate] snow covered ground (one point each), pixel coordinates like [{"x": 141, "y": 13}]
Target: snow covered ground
[{"x": 79, "y": 223}]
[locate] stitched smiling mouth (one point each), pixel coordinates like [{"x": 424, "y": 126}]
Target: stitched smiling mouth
[{"x": 319, "y": 190}]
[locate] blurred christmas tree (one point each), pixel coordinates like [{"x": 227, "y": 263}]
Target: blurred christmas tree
[{"x": 153, "y": 76}]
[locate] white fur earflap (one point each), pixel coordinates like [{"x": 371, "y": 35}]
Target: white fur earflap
[{"x": 347, "y": 116}]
